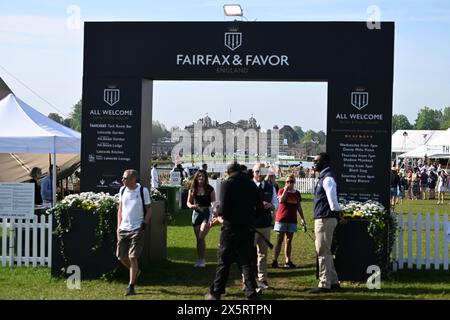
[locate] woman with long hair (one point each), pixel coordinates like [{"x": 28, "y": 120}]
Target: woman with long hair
[
  {"x": 201, "y": 196},
  {"x": 36, "y": 174}
]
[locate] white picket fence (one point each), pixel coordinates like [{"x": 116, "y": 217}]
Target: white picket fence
[
  {"x": 305, "y": 185},
  {"x": 410, "y": 247},
  {"x": 26, "y": 242}
]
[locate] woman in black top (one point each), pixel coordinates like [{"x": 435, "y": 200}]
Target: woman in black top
[
  {"x": 201, "y": 196},
  {"x": 35, "y": 174}
]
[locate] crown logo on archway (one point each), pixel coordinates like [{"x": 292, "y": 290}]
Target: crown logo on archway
[{"x": 233, "y": 39}]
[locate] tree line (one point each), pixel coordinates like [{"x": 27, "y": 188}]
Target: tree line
[{"x": 427, "y": 119}]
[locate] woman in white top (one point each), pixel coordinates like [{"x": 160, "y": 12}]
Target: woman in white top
[{"x": 441, "y": 186}]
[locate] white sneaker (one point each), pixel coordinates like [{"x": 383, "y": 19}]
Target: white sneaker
[
  {"x": 202, "y": 263},
  {"x": 197, "y": 264}
]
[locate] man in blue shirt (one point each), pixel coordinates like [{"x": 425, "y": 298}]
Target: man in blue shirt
[{"x": 46, "y": 187}]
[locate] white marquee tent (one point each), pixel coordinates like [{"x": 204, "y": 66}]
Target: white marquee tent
[
  {"x": 421, "y": 152},
  {"x": 408, "y": 140},
  {"x": 24, "y": 130},
  {"x": 438, "y": 146}
]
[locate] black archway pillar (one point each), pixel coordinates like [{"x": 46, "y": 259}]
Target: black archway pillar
[{"x": 357, "y": 62}]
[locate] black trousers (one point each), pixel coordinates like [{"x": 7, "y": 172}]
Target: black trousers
[{"x": 236, "y": 245}]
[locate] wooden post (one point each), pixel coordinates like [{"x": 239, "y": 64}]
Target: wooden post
[
  {"x": 437, "y": 259},
  {"x": 446, "y": 240},
  {"x": 401, "y": 230},
  {"x": 419, "y": 260},
  {"x": 427, "y": 241},
  {"x": 410, "y": 241}
]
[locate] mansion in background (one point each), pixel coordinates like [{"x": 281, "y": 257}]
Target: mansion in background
[{"x": 287, "y": 138}]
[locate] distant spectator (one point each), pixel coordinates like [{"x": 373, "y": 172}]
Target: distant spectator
[
  {"x": 442, "y": 185},
  {"x": 205, "y": 167},
  {"x": 155, "y": 177},
  {"x": 179, "y": 168},
  {"x": 432, "y": 179},
  {"x": 415, "y": 182},
  {"x": 272, "y": 180},
  {"x": 423, "y": 183},
  {"x": 35, "y": 175},
  {"x": 403, "y": 187},
  {"x": 47, "y": 188},
  {"x": 301, "y": 172},
  {"x": 395, "y": 184}
]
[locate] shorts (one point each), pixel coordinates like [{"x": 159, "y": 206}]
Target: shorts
[
  {"x": 285, "y": 227},
  {"x": 200, "y": 216},
  {"x": 130, "y": 244},
  {"x": 393, "y": 192}
]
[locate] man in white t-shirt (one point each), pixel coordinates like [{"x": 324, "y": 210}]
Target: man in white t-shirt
[
  {"x": 155, "y": 178},
  {"x": 134, "y": 200}
]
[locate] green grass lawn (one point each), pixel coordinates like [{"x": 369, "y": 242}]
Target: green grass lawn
[{"x": 176, "y": 278}]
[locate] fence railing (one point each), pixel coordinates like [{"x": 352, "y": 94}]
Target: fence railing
[
  {"x": 26, "y": 242},
  {"x": 305, "y": 185},
  {"x": 422, "y": 241}
]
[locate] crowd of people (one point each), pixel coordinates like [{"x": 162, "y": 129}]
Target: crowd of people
[
  {"x": 419, "y": 182},
  {"x": 250, "y": 207}
]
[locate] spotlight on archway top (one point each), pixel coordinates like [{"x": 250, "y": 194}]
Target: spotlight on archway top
[{"x": 233, "y": 10}]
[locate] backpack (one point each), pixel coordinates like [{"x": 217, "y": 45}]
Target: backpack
[{"x": 141, "y": 191}]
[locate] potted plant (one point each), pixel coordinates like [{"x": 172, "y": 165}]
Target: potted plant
[
  {"x": 84, "y": 233},
  {"x": 363, "y": 237}
]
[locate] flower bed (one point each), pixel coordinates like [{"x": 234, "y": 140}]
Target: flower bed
[{"x": 84, "y": 231}]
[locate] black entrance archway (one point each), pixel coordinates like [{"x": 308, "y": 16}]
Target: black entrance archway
[{"x": 121, "y": 59}]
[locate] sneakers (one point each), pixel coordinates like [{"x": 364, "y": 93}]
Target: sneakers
[
  {"x": 130, "y": 291},
  {"x": 275, "y": 264},
  {"x": 317, "y": 290},
  {"x": 263, "y": 285},
  {"x": 290, "y": 265},
  {"x": 210, "y": 296}
]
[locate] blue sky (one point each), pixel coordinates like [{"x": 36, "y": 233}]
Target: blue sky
[{"x": 38, "y": 48}]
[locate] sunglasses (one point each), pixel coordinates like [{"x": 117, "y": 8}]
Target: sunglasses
[
  {"x": 290, "y": 181},
  {"x": 125, "y": 178}
]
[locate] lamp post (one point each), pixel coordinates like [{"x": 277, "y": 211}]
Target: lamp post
[{"x": 233, "y": 10}]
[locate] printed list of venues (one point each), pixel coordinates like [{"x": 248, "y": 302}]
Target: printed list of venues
[
  {"x": 17, "y": 200},
  {"x": 359, "y": 169},
  {"x": 111, "y": 140}
]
